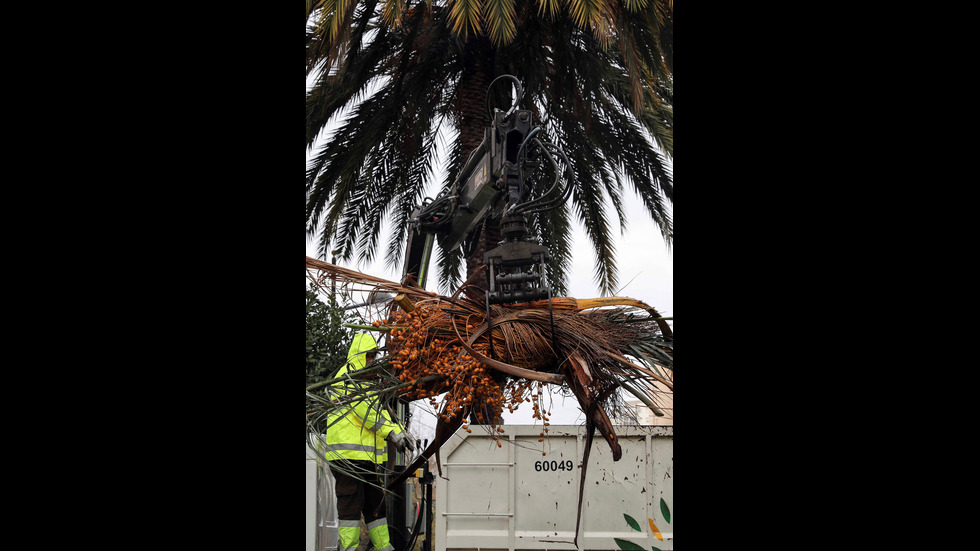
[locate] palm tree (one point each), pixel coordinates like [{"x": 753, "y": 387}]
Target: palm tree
[{"x": 393, "y": 76}]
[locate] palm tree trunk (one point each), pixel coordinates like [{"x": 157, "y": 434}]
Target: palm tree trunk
[{"x": 471, "y": 111}]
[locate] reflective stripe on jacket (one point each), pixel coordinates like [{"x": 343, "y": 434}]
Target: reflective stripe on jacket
[{"x": 359, "y": 430}]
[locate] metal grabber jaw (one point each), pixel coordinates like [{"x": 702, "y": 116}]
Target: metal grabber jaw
[{"x": 516, "y": 270}]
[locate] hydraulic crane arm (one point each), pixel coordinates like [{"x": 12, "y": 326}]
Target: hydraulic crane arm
[{"x": 496, "y": 182}]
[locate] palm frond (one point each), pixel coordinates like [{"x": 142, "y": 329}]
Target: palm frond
[
  {"x": 464, "y": 16},
  {"x": 586, "y": 13},
  {"x": 392, "y": 12},
  {"x": 600, "y": 331},
  {"x": 499, "y": 15},
  {"x": 446, "y": 345},
  {"x": 548, "y": 7}
]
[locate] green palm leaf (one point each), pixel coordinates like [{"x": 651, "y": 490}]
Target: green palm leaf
[
  {"x": 500, "y": 17},
  {"x": 464, "y": 15},
  {"x": 585, "y": 13}
]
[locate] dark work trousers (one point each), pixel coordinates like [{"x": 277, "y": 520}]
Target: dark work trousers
[
  {"x": 354, "y": 496},
  {"x": 362, "y": 493}
]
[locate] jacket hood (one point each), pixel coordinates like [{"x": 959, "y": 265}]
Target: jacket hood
[{"x": 361, "y": 344}]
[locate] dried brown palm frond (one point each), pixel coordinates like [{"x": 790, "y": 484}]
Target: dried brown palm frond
[{"x": 445, "y": 344}]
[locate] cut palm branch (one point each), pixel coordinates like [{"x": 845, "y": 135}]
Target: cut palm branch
[{"x": 597, "y": 346}]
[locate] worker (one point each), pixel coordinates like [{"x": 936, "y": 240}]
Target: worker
[{"x": 355, "y": 447}]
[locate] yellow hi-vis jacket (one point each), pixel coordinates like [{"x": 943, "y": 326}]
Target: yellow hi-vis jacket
[{"x": 358, "y": 431}]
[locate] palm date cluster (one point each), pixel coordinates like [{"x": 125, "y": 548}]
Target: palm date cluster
[{"x": 423, "y": 344}]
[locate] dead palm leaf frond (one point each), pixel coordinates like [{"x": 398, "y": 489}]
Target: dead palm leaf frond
[{"x": 447, "y": 345}]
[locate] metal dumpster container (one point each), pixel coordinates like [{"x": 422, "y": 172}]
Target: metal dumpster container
[
  {"x": 321, "y": 505},
  {"x": 512, "y": 497}
]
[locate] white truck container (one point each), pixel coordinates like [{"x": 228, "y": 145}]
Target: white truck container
[
  {"x": 514, "y": 498},
  {"x": 321, "y": 505}
]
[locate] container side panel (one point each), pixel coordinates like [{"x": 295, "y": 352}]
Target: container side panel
[
  {"x": 476, "y": 510},
  {"x": 662, "y": 496},
  {"x": 524, "y": 495},
  {"x": 547, "y": 483},
  {"x": 615, "y": 490},
  {"x": 310, "y": 505}
]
